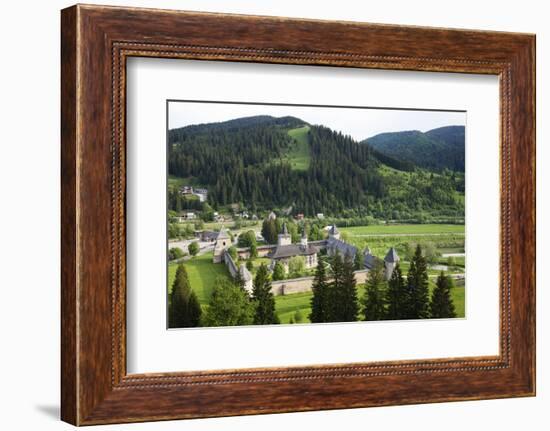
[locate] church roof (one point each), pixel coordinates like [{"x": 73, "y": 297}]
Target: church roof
[
  {"x": 370, "y": 261},
  {"x": 290, "y": 250},
  {"x": 342, "y": 247},
  {"x": 223, "y": 234},
  {"x": 392, "y": 256}
]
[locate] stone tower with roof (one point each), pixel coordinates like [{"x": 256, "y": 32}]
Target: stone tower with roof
[
  {"x": 390, "y": 261},
  {"x": 284, "y": 237},
  {"x": 333, "y": 232},
  {"x": 303, "y": 240},
  {"x": 223, "y": 242}
]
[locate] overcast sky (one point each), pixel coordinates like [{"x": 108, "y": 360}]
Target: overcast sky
[{"x": 359, "y": 123}]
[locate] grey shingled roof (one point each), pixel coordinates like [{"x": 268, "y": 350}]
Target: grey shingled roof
[
  {"x": 392, "y": 256},
  {"x": 290, "y": 250},
  {"x": 370, "y": 261},
  {"x": 210, "y": 234},
  {"x": 342, "y": 247}
]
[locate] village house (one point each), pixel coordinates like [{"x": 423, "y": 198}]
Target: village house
[
  {"x": 202, "y": 194},
  {"x": 207, "y": 235}
]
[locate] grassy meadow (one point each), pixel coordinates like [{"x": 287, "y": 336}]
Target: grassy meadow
[
  {"x": 299, "y": 155},
  {"x": 201, "y": 272}
]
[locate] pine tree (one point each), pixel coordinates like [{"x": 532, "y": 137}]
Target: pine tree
[
  {"x": 397, "y": 296},
  {"x": 358, "y": 261},
  {"x": 185, "y": 310},
  {"x": 269, "y": 231},
  {"x": 348, "y": 306},
  {"x": 335, "y": 287},
  {"x": 320, "y": 301},
  {"x": 195, "y": 311},
  {"x": 238, "y": 279},
  {"x": 373, "y": 301},
  {"x": 417, "y": 282},
  {"x": 441, "y": 305},
  {"x": 265, "y": 302}
]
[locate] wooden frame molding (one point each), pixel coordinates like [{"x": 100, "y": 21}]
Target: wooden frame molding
[{"x": 95, "y": 43}]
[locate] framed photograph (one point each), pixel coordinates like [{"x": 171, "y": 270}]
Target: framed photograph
[{"x": 266, "y": 215}]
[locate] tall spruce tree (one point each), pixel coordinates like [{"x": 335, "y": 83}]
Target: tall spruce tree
[
  {"x": 269, "y": 231},
  {"x": 194, "y": 310},
  {"x": 374, "y": 307},
  {"x": 441, "y": 305},
  {"x": 182, "y": 313},
  {"x": 348, "y": 307},
  {"x": 358, "y": 261},
  {"x": 320, "y": 301},
  {"x": 238, "y": 279},
  {"x": 417, "y": 282},
  {"x": 397, "y": 296},
  {"x": 265, "y": 302},
  {"x": 335, "y": 287}
]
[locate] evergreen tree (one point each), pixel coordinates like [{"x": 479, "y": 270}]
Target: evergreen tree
[
  {"x": 397, "y": 296},
  {"x": 229, "y": 305},
  {"x": 262, "y": 296},
  {"x": 348, "y": 307},
  {"x": 184, "y": 310},
  {"x": 320, "y": 301},
  {"x": 238, "y": 279},
  {"x": 335, "y": 288},
  {"x": 441, "y": 305},
  {"x": 278, "y": 272},
  {"x": 417, "y": 282},
  {"x": 269, "y": 231},
  {"x": 373, "y": 301},
  {"x": 358, "y": 261},
  {"x": 195, "y": 311}
]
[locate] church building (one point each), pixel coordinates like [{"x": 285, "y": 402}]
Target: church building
[{"x": 285, "y": 250}]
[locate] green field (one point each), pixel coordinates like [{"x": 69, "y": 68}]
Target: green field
[
  {"x": 404, "y": 229},
  {"x": 202, "y": 273},
  {"x": 299, "y": 154}
]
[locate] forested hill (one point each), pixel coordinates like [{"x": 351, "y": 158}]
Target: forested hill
[
  {"x": 441, "y": 148},
  {"x": 269, "y": 163},
  {"x": 233, "y": 125}
]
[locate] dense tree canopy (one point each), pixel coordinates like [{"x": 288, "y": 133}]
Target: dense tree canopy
[{"x": 246, "y": 161}]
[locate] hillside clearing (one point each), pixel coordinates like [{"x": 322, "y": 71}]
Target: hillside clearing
[{"x": 299, "y": 155}]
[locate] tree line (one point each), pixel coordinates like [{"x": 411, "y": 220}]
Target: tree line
[{"x": 335, "y": 293}]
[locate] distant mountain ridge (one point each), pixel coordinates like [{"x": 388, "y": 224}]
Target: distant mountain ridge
[{"x": 436, "y": 149}]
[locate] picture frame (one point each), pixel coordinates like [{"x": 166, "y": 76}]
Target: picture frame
[{"x": 96, "y": 42}]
